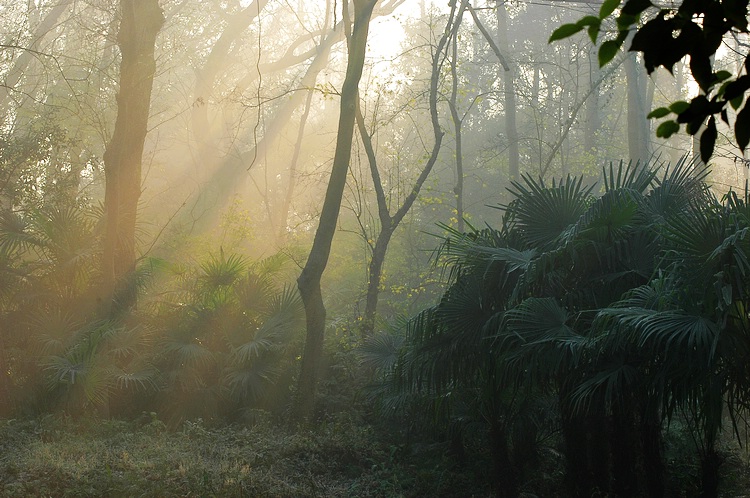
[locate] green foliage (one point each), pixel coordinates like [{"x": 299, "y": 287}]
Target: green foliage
[
  {"x": 627, "y": 308},
  {"x": 694, "y": 29},
  {"x": 213, "y": 339},
  {"x": 224, "y": 342}
]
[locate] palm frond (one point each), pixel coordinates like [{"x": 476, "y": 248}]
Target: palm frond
[
  {"x": 631, "y": 176},
  {"x": 676, "y": 335},
  {"x": 254, "y": 292},
  {"x": 252, "y": 381},
  {"x": 221, "y": 272},
  {"x": 607, "y": 387},
  {"x": 541, "y": 213},
  {"x": 135, "y": 376},
  {"x": 16, "y": 234},
  {"x": 679, "y": 187},
  {"x": 188, "y": 350},
  {"x": 381, "y": 351}
]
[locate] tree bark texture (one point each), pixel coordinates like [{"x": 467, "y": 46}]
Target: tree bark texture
[
  {"x": 309, "y": 280},
  {"x": 140, "y": 23}
]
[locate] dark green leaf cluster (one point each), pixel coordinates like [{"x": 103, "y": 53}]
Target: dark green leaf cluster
[
  {"x": 696, "y": 30},
  {"x": 625, "y": 310}
]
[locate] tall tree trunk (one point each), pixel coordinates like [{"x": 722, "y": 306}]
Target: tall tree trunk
[
  {"x": 309, "y": 280},
  {"x": 623, "y": 446},
  {"x": 509, "y": 91},
  {"x": 651, "y": 441},
  {"x": 593, "y": 121},
  {"x": 506, "y": 480},
  {"x": 6, "y": 407},
  {"x": 639, "y": 137},
  {"x": 501, "y": 49},
  {"x": 711, "y": 461},
  {"x": 374, "y": 274},
  {"x": 140, "y": 23}
]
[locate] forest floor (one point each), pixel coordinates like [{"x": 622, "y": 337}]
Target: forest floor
[{"x": 60, "y": 457}]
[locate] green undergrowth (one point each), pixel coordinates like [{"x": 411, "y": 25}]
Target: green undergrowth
[{"x": 59, "y": 456}]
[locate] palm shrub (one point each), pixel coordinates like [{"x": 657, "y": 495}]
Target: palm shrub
[
  {"x": 690, "y": 324},
  {"x": 48, "y": 259},
  {"x": 519, "y": 322},
  {"x": 226, "y": 339},
  {"x": 59, "y": 352}
]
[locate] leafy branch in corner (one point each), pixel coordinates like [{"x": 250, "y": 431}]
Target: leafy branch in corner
[{"x": 695, "y": 29}]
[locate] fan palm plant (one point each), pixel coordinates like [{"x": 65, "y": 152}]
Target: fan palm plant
[
  {"x": 691, "y": 324},
  {"x": 223, "y": 344},
  {"x": 49, "y": 256},
  {"x": 518, "y": 317},
  {"x": 57, "y": 347}
]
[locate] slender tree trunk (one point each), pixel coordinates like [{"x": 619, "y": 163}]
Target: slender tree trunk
[
  {"x": 624, "y": 458},
  {"x": 711, "y": 462},
  {"x": 535, "y": 108},
  {"x": 309, "y": 280},
  {"x": 374, "y": 273},
  {"x": 388, "y": 223},
  {"x": 593, "y": 122},
  {"x": 140, "y": 23},
  {"x": 501, "y": 49},
  {"x": 571, "y": 119},
  {"x": 6, "y": 407},
  {"x": 507, "y": 483},
  {"x": 221, "y": 185},
  {"x": 458, "y": 190},
  {"x": 286, "y": 206}
]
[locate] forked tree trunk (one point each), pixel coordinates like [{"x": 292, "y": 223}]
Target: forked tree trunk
[
  {"x": 140, "y": 23},
  {"x": 388, "y": 223},
  {"x": 309, "y": 280}
]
